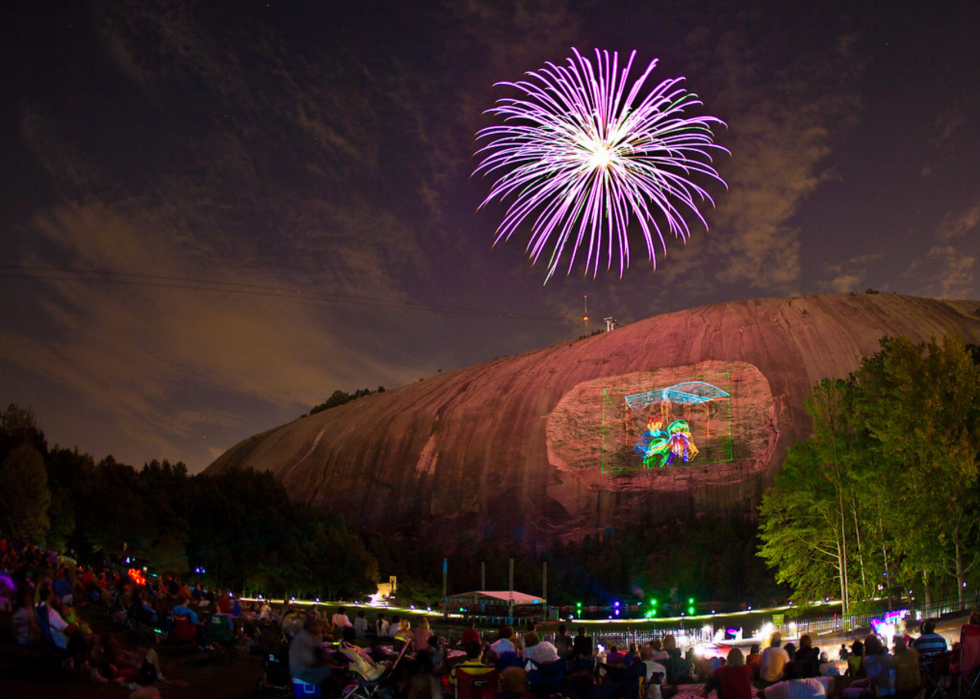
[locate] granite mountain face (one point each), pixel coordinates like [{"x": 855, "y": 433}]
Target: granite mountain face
[{"x": 686, "y": 413}]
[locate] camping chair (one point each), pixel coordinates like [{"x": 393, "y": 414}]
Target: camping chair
[
  {"x": 471, "y": 685},
  {"x": 546, "y": 679},
  {"x": 220, "y": 635},
  {"x": 968, "y": 675},
  {"x": 184, "y": 630},
  {"x": 937, "y": 677}
]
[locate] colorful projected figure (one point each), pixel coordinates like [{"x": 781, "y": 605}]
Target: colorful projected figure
[
  {"x": 665, "y": 448},
  {"x": 675, "y": 445}
]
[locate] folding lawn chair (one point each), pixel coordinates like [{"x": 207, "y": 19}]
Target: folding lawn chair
[
  {"x": 220, "y": 635},
  {"x": 937, "y": 678},
  {"x": 470, "y": 685},
  {"x": 968, "y": 675}
]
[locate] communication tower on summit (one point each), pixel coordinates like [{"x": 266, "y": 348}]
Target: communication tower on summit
[
  {"x": 611, "y": 323},
  {"x": 585, "y": 317}
]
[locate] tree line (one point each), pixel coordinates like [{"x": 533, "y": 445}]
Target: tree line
[
  {"x": 239, "y": 527},
  {"x": 882, "y": 500}
]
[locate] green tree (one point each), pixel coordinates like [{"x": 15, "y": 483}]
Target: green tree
[
  {"x": 24, "y": 494},
  {"x": 921, "y": 407}
]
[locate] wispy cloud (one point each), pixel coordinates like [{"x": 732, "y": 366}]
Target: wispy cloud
[{"x": 957, "y": 225}]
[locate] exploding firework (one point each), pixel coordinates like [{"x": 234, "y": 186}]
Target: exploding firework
[{"x": 584, "y": 158}]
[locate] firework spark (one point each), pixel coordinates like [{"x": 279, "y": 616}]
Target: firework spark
[{"x": 584, "y": 158}]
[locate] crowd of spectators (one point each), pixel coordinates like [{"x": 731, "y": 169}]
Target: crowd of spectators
[{"x": 43, "y": 590}]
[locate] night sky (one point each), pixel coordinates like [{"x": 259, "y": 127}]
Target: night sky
[{"x": 213, "y": 215}]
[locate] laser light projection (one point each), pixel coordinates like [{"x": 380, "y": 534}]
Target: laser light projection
[{"x": 663, "y": 427}]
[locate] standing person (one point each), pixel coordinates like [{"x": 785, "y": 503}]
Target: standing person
[
  {"x": 732, "y": 680},
  {"x": 340, "y": 620},
  {"x": 360, "y": 624},
  {"x": 653, "y": 668},
  {"x": 563, "y": 642},
  {"x": 422, "y": 635},
  {"x": 582, "y": 645},
  {"x": 381, "y": 626},
  {"x": 773, "y": 660},
  {"x": 471, "y": 634}
]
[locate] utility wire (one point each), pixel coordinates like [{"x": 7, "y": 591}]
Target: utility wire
[{"x": 74, "y": 274}]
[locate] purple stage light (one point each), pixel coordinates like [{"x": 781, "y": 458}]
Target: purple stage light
[{"x": 584, "y": 158}]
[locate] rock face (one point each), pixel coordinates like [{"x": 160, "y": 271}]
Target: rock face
[{"x": 551, "y": 444}]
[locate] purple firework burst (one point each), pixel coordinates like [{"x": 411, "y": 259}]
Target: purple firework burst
[{"x": 584, "y": 157}]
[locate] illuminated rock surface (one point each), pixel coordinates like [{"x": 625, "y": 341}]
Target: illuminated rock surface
[{"x": 525, "y": 448}]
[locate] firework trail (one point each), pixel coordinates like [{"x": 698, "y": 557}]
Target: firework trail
[{"x": 583, "y": 157}]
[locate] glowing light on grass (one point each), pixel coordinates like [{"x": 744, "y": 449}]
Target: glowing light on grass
[{"x": 582, "y": 158}]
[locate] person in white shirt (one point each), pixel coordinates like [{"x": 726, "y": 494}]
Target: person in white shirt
[
  {"x": 537, "y": 651},
  {"x": 773, "y": 660},
  {"x": 340, "y": 620},
  {"x": 503, "y": 643},
  {"x": 651, "y": 683}
]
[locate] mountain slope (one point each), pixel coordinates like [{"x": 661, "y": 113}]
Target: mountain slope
[{"x": 540, "y": 446}]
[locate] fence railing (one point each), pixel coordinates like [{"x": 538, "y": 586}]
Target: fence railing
[{"x": 846, "y": 624}]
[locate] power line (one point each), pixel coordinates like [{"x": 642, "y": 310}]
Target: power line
[{"x": 75, "y": 274}]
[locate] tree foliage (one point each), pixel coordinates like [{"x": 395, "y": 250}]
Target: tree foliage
[
  {"x": 24, "y": 494},
  {"x": 883, "y": 496}
]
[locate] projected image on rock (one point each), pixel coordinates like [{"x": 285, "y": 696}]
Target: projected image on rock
[{"x": 669, "y": 426}]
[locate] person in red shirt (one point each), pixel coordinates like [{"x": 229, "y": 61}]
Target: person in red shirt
[
  {"x": 224, "y": 602},
  {"x": 471, "y": 635},
  {"x": 732, "y": 680}
]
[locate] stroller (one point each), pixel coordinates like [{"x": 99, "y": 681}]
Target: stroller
[{"x": 371, "y": 680}]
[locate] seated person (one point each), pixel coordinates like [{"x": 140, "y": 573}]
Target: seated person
[
  {"x": 879, "y": 670},
  {"x": 422, "y": 683},
  {"x": 472, "y": 664},
  {"x": 504, "y": 640},
  {"x": 307, "y": 660},
  {"x": 732, "y": 680},
  {"x": 119, "y": 664},
  {"x": 181, "y": 609},
  {"x": 855, "y": 669},
  {"x": 827, "y": 666},
  {"x": 438, "y": 654},
  {"x": 773, "y": 660},
  {"x": 803, "y": 688},
  {"x": 929, "y": 644},
  {"x": 908, "y": 676},
  {"x": 513, "y": 684},
  {"x": 615, "y": 656},
  {"x": 537, "y": 651},
  {"x": 24, "y": 621}
]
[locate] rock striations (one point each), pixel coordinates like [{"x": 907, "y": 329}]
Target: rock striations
[{"x": 542, "y": 446}]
